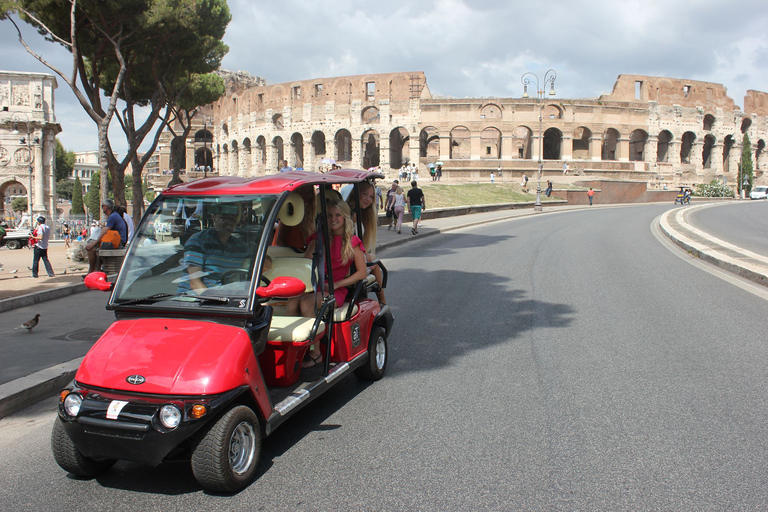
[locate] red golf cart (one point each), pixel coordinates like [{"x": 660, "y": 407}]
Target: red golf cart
[{"x": 203, "y": 360}]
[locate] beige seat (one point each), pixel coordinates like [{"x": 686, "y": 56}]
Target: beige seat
[{"x": 292, "y": 328}]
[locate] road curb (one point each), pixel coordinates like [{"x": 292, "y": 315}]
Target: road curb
[
  {"x": 25, "y": 391},
  {"x": 37, "y": 297},
  {"x": 708, "y": 254}
]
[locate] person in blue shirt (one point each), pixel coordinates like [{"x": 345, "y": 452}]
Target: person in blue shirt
[
  {"x": 114, "y": 223},
  {"x": 209, "y": 254}
]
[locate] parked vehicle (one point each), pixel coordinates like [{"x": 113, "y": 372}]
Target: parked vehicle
[
  {"x": 205, "y": 375},
  {"x": 759, "y": 192},
  {"x": 18, "y": 237}
]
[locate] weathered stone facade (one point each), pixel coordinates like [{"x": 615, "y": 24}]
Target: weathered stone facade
[
  {"x": 27, "y": 139},
  {"x": 663, "y": 130}
]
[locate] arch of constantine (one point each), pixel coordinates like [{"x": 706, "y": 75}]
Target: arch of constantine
[
  {"x": 662, "y": 130},
  {"x": 27, "y": 141}
]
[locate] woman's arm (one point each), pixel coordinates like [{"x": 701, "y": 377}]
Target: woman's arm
[{"x": 360, "y": 272}]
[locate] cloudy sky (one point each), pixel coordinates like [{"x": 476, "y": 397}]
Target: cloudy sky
[{"x": 469, "y": 48}]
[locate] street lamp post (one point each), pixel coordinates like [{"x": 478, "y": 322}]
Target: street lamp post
[
  {"x": 26, "y": 141},
  {"x": 531, "y": 79}
]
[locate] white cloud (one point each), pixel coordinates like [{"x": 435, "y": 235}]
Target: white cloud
[{"x": 479, "y": 47}]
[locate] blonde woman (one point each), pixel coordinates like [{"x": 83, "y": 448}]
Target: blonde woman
[
  {"x": 346, "y": 249},
  {"x": 370, "y": 221},
  {"x": 399, "y": 207}
]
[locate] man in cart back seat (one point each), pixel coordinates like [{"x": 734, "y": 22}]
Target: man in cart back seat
[{"x": 209, "y": 254}]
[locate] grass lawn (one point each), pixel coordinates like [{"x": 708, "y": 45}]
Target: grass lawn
[{"x": 438, "y": 195}]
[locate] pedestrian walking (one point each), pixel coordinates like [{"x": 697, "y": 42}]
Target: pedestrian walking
[
  {"x": 493, "y": 178},
  {"x": 565, "y": 168},
  {"x": 390, "y": 204},
  {"x": 41, "y": 235},
  {"x": 590, "y": 194},
  {"x": 524, "y": 183},
  {"x": 416, "y": 204},
  {"x": 399, "y": 208},
  {"x": 67, "y": 236}
]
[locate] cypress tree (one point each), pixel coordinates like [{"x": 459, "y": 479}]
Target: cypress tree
[{"x": 77, "y": 198}]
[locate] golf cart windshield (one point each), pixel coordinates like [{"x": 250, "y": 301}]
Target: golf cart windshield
[{"x": 193, "y": 250}]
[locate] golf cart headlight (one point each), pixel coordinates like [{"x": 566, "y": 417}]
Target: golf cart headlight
[
  {"x": 170, "y": 416},
  {"x": 72, "y": 404}
]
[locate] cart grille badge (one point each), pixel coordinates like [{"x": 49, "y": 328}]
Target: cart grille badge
[
  {"x": 355, "y": 335},
  {"x": 135, "y": 379}
]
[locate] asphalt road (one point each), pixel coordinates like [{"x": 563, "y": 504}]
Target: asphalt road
[
  {"x": 558, "y": 362},
  {"x": 744, "y": 223}
]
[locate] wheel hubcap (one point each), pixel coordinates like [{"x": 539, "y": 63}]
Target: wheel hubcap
[
  {"x": 381, "y": 353},
  {"x": 242, "y": 448}
]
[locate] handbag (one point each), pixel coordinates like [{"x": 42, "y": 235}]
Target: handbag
[{"x": 111, "y": 238}]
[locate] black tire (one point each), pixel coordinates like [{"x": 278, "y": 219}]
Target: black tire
[
  {"x": 226, "y": 457},
  {"x": 71, "y": 460},
  {"x": 377, "y": 356},
  {"x": 13, "y": 244}
]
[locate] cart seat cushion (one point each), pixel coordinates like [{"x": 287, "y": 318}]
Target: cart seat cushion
[
  {"x": 279, "y": 311},
  {"x": 300, "y": 268},
  {"x": 292, "y": 328},
  {"x": 339, "y": 314}
]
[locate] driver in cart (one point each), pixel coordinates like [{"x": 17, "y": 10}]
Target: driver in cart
[{"x": 209, "y": 254}]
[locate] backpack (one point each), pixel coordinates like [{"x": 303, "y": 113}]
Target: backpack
[{"x": 526, "y": 179}]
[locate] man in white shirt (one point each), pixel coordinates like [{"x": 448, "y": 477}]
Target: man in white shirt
[{"x": 41, "y": 236}]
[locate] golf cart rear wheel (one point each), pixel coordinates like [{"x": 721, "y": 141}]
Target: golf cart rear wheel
[
  {"x": 226, "y": 457},
  {"x": 376, "y": 364},
  {"x": 13, "y": 244},
  {"x": 71, "y": 460}
]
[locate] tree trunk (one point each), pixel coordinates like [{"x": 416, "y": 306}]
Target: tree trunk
[{"x": 138, "y": 191}]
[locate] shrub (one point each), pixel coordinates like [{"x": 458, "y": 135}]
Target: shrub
[{"x": 714, "y": 188}]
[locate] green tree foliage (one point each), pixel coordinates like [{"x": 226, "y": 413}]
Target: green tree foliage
[
  {"x": 142, "y": 52},
  {"x": 19, "y": 204},
  {"x": 65, "y": 162},
  {"x": 77, "y": 198},
  {"x": 746, "y": 170},
  {"x": 64, "y": 188},
  {"x": 93, "y": 197}
]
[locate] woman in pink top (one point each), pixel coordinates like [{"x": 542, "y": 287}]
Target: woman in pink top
[{"x": 346, "y": 249}]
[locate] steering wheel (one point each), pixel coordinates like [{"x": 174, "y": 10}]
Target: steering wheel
[{"x": 235, "y": 275}]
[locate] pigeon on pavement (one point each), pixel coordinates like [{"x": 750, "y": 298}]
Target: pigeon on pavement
[
  {"x": 30, "y": 324},
  {"x": 14, "y": 271}
]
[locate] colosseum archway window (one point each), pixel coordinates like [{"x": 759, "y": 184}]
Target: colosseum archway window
[
  {"x": 709, "y": 122},
  {"x": 745, "y": 124},
  {"x": 610, "y": 144},
  {"x": 662, "y": 147},
  {"x": 706, "y": 152},
  {"x": 297, "y": 148},
  {"x": 685, "y": 147},
  {"x": 553, "y": 112},
  {"x": 728, "y": 143},
  {"x": 343, "y": 146},
  {"x": 318, "y": 143},
  {"x": 429, "y": 143},
  {"x": 204, "y": 158},
  {"x": 460, "y": 141},
  {"x": 490, "y": 143},
  {"x": 370, "y": 115},
  {"x": 224, "y": 164},
  {"x": 261, "y": 143},
  {"x": 522, "y": 136},
  {"x": 277, "y": 121},
  {"x": 759, "y": 153},
  {"x": 225, "y": 130},
  {"x": 553, "y": 141},
  {"x": 637, "y": 140},
  {"x": 370, "y": 149},
  {"x": 582, "y": 137},
  {"x": 490, "y": 111},
  {"x": 204, "y": 136},
  {"x": 398, "y": 140}
]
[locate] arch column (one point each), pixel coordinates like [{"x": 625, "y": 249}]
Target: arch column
[
  {"x": 356, "y": 154},
  {"x": 623, "y": 145},
  {"x": 716, "y": 158},
  {"x": 651, "y": 151},
  {"x": 38, "y": 200},
  {"x": 413, "y": 149},
  {"x": 475, "y": 146},
  {"x": 506, "y": 147},
  {"x": 271, "y": 164},
  {"x": 566, "y": 147},
  {"x": 673, "y": 153},
  {"x": 445, "y": 147},
  {"x": 596, "y": 148},
  {"x": 697, "y": 153}
]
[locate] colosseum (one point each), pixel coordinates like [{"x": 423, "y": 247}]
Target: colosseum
[{"x": 665, "y": 131}]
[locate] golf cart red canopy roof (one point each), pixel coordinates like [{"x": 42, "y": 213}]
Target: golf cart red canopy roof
[{"x": 272, "y": 184}]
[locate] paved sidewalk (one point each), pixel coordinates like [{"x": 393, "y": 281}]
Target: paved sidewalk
[
  {"x": 49, "y": 369},
  {"x": 734, "y": 259}
]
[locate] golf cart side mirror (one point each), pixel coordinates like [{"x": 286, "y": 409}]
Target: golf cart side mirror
[
  {"x": 282, "y": 286},
  {"x": 98, "y": 281}
]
